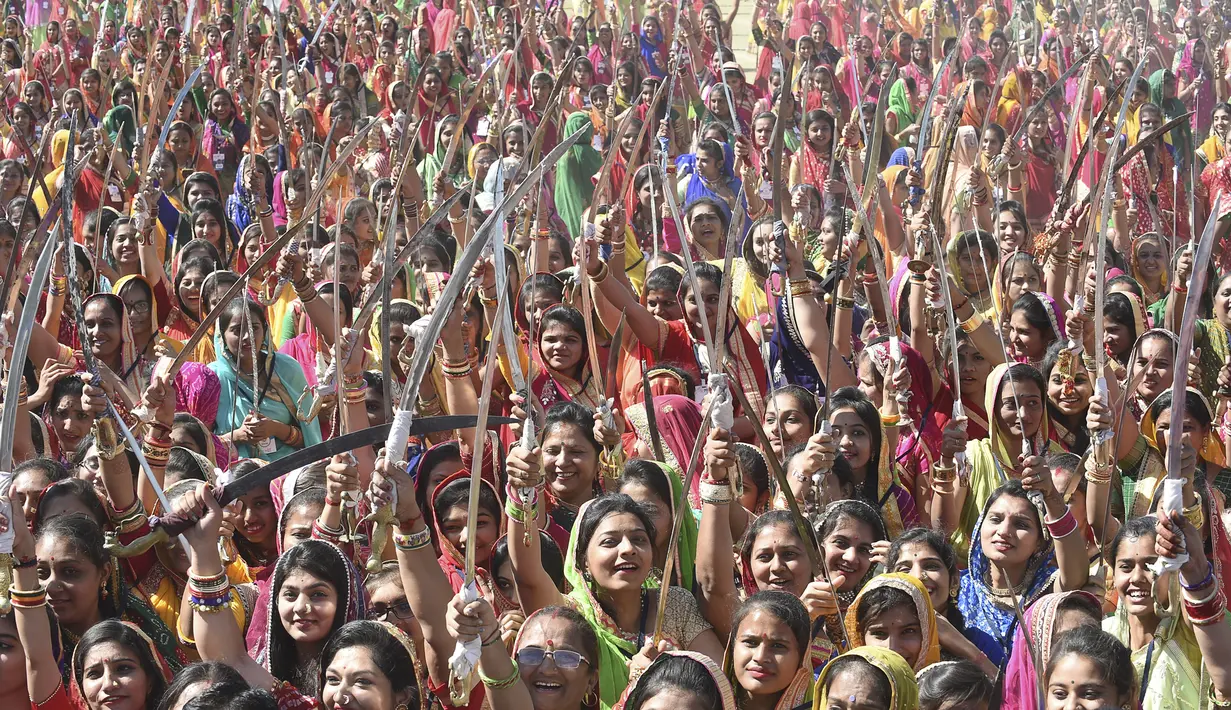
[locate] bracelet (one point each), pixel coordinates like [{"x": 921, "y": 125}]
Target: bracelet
[
  {"x": 1209, "y": 613},
  {"x": 1179, "y": 288},
  {"x": 716, "y": 493},
  {"x": 295, "y": 440},
  {"x": 108, "y": 454},
  {"x": 843, "y": 303},
  {"x": 498, "y": 683},
  {"x": 267, "y": 212},
  {"x": 1195, "y": 514},
  {"x": 972, "y": 323},
  {"x": 488, "y": 302},
  {"x": 458, "y": 374},
  {"x": 303, "y": 284},
  {"x": 918, "y": 278},
  {"x": 603, "y": 273},
  {"x": 24, "y": 562},
  {"x": 326, "y": 532},
  {"x": 336, "y": 502},
  {"x": 521, "y": 512},
  {"x": 1098, "y": 474},
  {"x": 27, "y": 593},
  {"x": 307, "y": 296},
  {"x": 1209, "y": 597},
  {"x": 944, "y": 474},
  {"x": 413, "y": 541},
  {"x": 1090, "y": 363},
  {"x": 891, "y": 420},
  {"x": 28, "y": 599},
  {"x": 1062, "y": 527},
  {"x": 492, "y": 639},
  {"x": 801, "y": 287},
  {"x": 1209, "y": 577}
]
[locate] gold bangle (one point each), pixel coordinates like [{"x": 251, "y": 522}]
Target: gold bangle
[
  {"x": 972, "y": 323},
  {"x": 603, "y": 273},
  {"x": 1195, "y": 514}
]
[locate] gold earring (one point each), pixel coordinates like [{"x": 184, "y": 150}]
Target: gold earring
[
  {"x": 590, "y": 698},
  {"x": 401, "y": 706}
]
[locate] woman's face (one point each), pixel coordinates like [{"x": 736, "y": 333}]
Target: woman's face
[
  {"x": 11, "y": 179},
  {"x": 971, "y": 266},
  {"x": 709, "y": 166},
  {"x": 570, "y": 462},
  {"x": 848, "y": 552},
  {"x": 779, "y": 561},
  {"x": 239, "y": 337},
  {"x": 1010, "y": 532},
  {"x": 1155, "y": 357},
  {"x": 220, "y": 107},
  {"x": 1020, "y": 407},
  {"x": 562, "y": 347},
  {"x": 138, "y": 304},
  {"x": 1076, "y": 683},
  {"x": 124, "y": 245},
  {"x": 89, "y": 84},
  {"x": 1024, "y": 277},
  {"x": 1027, "y": 341},
  {"x": 453, "y": 523},
  {"x": 820, "y": 134},
  {"x": 765, "y": 654},
  {"x": 786, "y": 421},
  {"x": 1194, "y": 431},
  {"x": 252, "y": 248},
  {"x": 1117, "y": 337},
  {"x": 850, "y": 690},
  {"x": 12, "y": 659},
  {"x": 1010, "y": 232},
  {"x": 552, "y": 687},
  {"x": 1222, "y": 301},
  {"x": 354, "y": 681},
  {"x": 306, "y": 606},
  {"x": 709, "y": 299},
  {"x": 762, "y": 237},
  {"x": 103, "y": 325},
  {"x": 870, "y": 379},
  {"x": 1222, "y": 122},
  {"x": 1132, "y": 578},
  {"x": 74, "y": 583},
  {"x": 921, "y": 561},
  {"x": 897, "y": 629},
  {"x": 1150, "y": 260},
  {"x": 658, "y": 510},
  {"x": 853, "y": 438},
  {"x": 1070, "y": 401},
  {"x": 206, "y": 226},
  {"x": 190, "y": 289},
  {"x": 620, "y": 553},
  {"x": 70, "y": 422},
  {"x": 112, "y": 677},
  {"x": 258, "y": 516},
  {"x": 663, "y": 304}
]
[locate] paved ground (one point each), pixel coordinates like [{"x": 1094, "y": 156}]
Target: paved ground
[{"x": 741, "y": 34}]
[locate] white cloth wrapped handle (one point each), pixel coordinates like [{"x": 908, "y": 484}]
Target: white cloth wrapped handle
[
  {"x": 722, "y": 414},
  {"x": 399, "y": 435},
  {"x": 465, "y": 656},
  {"x": 1172, "y": 498}
]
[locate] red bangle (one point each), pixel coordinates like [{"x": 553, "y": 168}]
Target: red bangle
[
  {"x": 1062, "y": 527},
  {"x": 333, "y": 501}
]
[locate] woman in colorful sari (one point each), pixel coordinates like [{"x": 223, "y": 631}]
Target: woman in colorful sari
[
  {"x": 811, "y": 165},
  {"x": 187, "y": 307},
  {"x": 659, "y": 488},
  {"x": 1014, "y": 97},
  {"x": 677, "y": 419},
  {"x": 1163, "y": 95},
  {"x": 142, "y": 311},
  {"x": 972, "y": 257},
  {"x": 901, "y": 116},
  {"x": 1011, "y": 559},
  {"x": 226, "y": 134},
  {"x": 261, "y": 416},
  {"x": 1035, "y": 322},
  {"x": 648, "y": 216},
  {"x": 912, "y": 632},
  {"x": 1196, "y": 84},
  {"x": 1046, "y": 619},
  {"x": 433, "y": 164},
  {"x": 869, "y": 678},
  {"x": 687, "y": 677},
  {"x": 1148, "y": 266},
  {"x": 713, "y": 178},
  {"x": 565, "y": 375},
  {"x": 767, "y": 660}
]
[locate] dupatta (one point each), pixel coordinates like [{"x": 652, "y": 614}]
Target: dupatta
[
  {"x": 452, "y": 561},
  {"x": 725, "y": 689},
  {"x": 678, "y": 420},
  {"x": 923, "y": 607},
  {"x": 1169, "y": 669},
  {"x": 904, "y": 690},
  {"x": 575, "y": 172}
]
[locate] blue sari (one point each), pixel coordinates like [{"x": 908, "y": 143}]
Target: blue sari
[
  {"x": 280, "y": 402},
  {"x": 990, "y": 617}
]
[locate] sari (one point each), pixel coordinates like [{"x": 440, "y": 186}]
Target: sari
[
  {"x": 452, "y": 561},
  {"x": 920, "y": 440},
  {"x": 574, "y": 174},
  {"x": 1179, "y": 138},
  {"x": 1203, "y": 100},
  {"x": 902, "y": 104},
  {"x": 1021, "y": 682},
  {"x": 984, "y": 302},
  {"x": 1169, "y": 670},
  {"x": 990, "y": 464},
  {"x": 434, "y": 163},
  {"x": 682, "y": 623},
  {"x": 930, "y": 653},
  {"x": 1134, "y": 267},
  {"x": 1014, "y": 95},
  {"x": 677, "y": 420},
  {"x": 72, "y": 695},
  {"x": 904, "y": 690},
  {"x": 280, "y": 402},
  {"x": 989, "y": 613}
]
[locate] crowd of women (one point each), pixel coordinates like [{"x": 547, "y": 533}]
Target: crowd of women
[{"x": 804, "y": 397}]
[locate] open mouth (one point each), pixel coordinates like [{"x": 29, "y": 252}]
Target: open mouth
[
  {"x": 547, "y": 686},
  {"x": 627, "y": 567}
]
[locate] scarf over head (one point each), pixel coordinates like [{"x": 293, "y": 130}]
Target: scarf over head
[{"x": 903, "y": 689}]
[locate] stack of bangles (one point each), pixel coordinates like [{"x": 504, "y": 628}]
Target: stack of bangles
[
  {"x": 209, "y": 594},
  {"x": 1063, "y": 527},
  {"x": 305, "y": 290},
  {"x": 28, "y": 599},
  {"x": 715, "y": 492},
  {"x": 128, "y": 520},
  {"x": 59, "y": 286},
  {"x": 412, "y": 541},
  {"x": 1204, "y": 602},
  {"x": 498, "y": 683},
  {"x": 456, "y": 370},
  {"x": 519, "y": 508},
  {"x": 542, "y": 235},
  {"x": 801, "y": 287},
  {"x": 157, "y": 445},
  {"x": 943, "y": 476},
  {"x": 1098, "y": 473},
  {"x": 354, "y": 387}
]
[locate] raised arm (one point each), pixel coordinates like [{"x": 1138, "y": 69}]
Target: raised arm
[
  {"x": 1071, "y": 556},
  {"x": 610, "y": 295},
  {"x": 33, "y": 626},
  {"x": 535, "y": 588},
  {"x": 718, "y": 597}
]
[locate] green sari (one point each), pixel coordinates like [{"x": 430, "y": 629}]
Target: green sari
[{"x": 574, "y": 173}]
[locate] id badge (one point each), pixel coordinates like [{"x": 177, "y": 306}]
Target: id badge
[
  {"x": 766, "y": 191},
  {"x": 484, "y": 127},
  {"x": 220, "y": 161},
  {"x": 114, "y": 192},
  {"x": 268, "y": 445}
]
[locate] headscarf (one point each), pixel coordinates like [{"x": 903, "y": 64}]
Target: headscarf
[
  {"x": 900, "y": 104},
  {"x": 1202, "y": 100},
  {"x": 1180, "y": 137},
  {"x": 725, "y": 690},
  {"x": 434, "y": 163},
  {"x": 1134, "y": 268},
  {"x": 1014, "y": 93},
  {"x": 77, "y": 697},
  {"x": 452, "y": 560},
  {"x": 989, "y": 613},
  {"x": 130, "y": 374},
  {"x": 930, "y": 652},
  {"x": 677, "y": 419},
  {"x": 122, "y": 127},
  {"x": 240, "y": 199},
  {"x": 574, "y": 186},
  {"x": 1021, "y": 683},
  {"x": 904, "y": 690}
]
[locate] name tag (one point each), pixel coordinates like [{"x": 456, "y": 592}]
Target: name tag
[
  {"x": 220, "y": 160},
  {"x": 484, "y": 126},
  {"x": 767, "y": 190},
  {"x": 268, "y": 445},
  {"x": 114, "y": 192}
]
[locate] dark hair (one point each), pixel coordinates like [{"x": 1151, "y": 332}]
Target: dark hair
[
  {"x": 944, "y": 550},
  {"x": 1035, "y": 311},
  {"x": 390, "y": 656},
  {"x": 265, "y": 358},
  {"x": 878, "y": 601},
  {"x": 954, "y": 684},
  {"x": 77, "y": 488},
  {"x": 855, "y": 509},
  {"x": 1110, "y": 658},
  {"x": 323, "y": 561},
  {"x": 1194, "y": 404},
  {"x": 650, "y": 475},
  {"x": 786, "y": 607},
  {"x": 1019, "y": 373},
  {"x": 219, "y": 676},
  {"x": 1119, "y": 308},
  {"x": 244, "y": 698},
  {"x": 569, "y": 317},
  {"x": 854, "y": 398},
  {"x": 664, "y": 278},
  {"x": 115, "y": 631},
  {"x": 774, "y": 518},
  {"x": 860, "y": 667},
  {"x": 1013, "y": 488},
  {"x": 1001, "y": 136},
  {"x": 753, "y": 463},
  {"x": 566, "y": 413},
  {"x": 1131, "y": 530},
  {"x": 51, "y": 469},
  {"x": 553, "y": 559},
  {"x": 712, "y": 204},
  {"x": 669, "y": 672},
  {"x": 182, "y": 465},
  {"x": 807, "y": 400},
  {"x": 193, "y": 426},
  {"x": 457, "y": 493},
  {"x": 598, "y": 510},
  {"x": 705, "y": 271},
  {"x": 215, "y": 208},
  {"x": 589, "y": 640},
  {"x": 70, "y": 386}
]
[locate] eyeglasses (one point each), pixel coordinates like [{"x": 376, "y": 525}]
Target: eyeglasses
[
  {"x": 533, "y": 656},
  {"x": 400, "y": 609},
  {"x": 139, "y": 308}
]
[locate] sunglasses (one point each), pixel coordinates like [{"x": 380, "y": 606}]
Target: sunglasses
[{"x": 532, "y": 657}]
